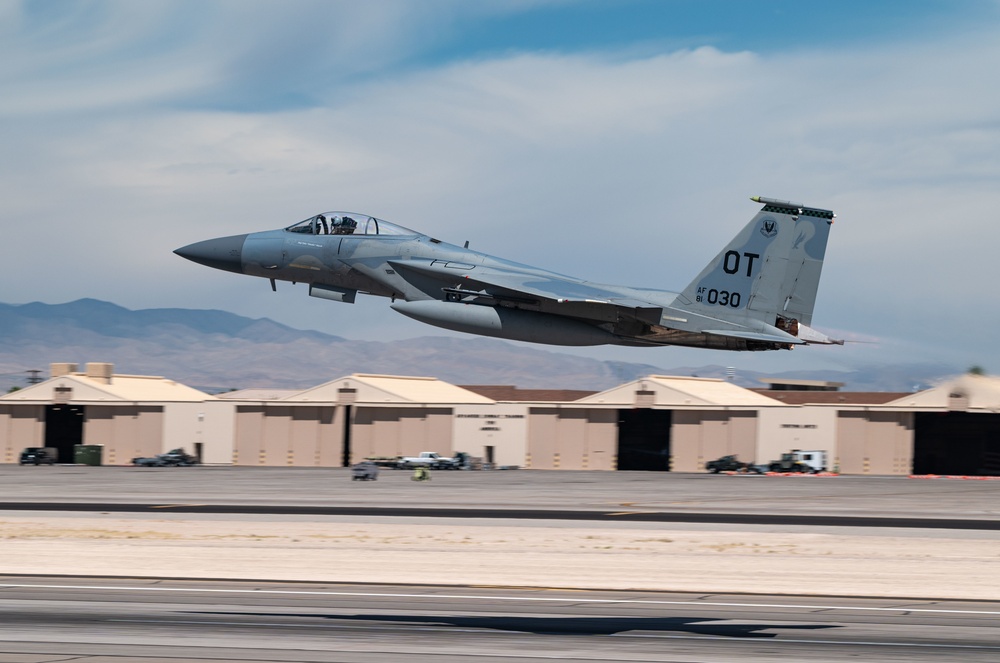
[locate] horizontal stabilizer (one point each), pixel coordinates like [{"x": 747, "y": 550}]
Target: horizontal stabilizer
[{"x": 813, "y": 337}]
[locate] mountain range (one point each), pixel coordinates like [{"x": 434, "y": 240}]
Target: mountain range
[{"x": 217, "y": 351}]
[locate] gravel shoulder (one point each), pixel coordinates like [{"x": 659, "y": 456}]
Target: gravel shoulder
[
  {"x": 654, "y": 556},
  {"x": 845, "y": 561}
]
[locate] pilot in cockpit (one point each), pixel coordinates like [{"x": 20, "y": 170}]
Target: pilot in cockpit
[{"x": 343, "y": 225}]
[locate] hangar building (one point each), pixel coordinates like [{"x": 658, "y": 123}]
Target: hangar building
[
  {"x": 342, "y": 421},
  {"x": 130, "y": 415},
  {"x": 956, "y": 427},
  {"x": 656, "y": 423}
]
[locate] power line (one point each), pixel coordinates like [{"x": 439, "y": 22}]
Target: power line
[{"x": 34, "y": 378}]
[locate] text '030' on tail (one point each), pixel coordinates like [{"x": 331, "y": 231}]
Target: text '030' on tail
[{"x": 758, "y": 293}]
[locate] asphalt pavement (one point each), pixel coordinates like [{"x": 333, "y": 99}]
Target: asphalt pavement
[
  {"x": 680, "y": 493},
  {"x": 98, "y": 620},
  {"x": 152, "y": 620}
]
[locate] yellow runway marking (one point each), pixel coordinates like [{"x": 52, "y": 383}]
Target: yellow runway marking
[{"x": 627, "y": 513}]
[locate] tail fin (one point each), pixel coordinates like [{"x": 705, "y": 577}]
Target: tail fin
[{"x": 769, "y": 272}]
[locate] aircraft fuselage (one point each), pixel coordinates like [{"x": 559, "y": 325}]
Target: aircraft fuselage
[{"x": 756, "y": 295}]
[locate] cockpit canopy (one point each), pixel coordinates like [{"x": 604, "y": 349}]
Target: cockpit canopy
[{"x": 347, "y": 223}]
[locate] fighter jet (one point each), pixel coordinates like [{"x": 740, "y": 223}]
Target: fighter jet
[{"x": 758, "y": 293}]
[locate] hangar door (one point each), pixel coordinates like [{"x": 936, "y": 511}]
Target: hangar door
[
  {"x": 956, "y": 443},
  {"x": 644, "y": 440},
  {"x": 64, "y": 429}
]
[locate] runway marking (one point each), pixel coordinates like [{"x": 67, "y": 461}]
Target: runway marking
[
  {"x": 474, "y": 597},
  {"x": 625, "y": 513}
]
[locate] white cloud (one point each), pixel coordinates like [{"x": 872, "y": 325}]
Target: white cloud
[
  {"x": 621, "y": 169},
  {"x": 79, "y": 55}
]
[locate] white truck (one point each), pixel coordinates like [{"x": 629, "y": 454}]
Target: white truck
[
  {"x": 810, "y": 462},
  {"x": 814, "y": 459},
  {"x": 431, "y": 460}
]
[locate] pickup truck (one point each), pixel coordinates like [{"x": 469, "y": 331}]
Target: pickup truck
[
  {"x": 39, "y": 456},
  {"x": 806, "y": 462},
  {"x": 173, "y": 458},
  {"x": 731, "y": 464},
  {"x": 431, "y": 460}
]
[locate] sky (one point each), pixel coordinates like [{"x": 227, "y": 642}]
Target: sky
[{"x": 616, "y": 141}]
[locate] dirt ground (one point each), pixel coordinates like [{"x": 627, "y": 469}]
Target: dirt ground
[{"x": 958, "y": 564}]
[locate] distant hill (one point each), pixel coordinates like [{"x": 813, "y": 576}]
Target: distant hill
[{"x": 216, "y": 350}]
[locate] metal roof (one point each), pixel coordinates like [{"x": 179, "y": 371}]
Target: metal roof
[
  {"x": 388, "y": 389},
  {"x": 120, "y": 388},
  {"x": 510, "y": 393},
  {"x": 673, "y": 391},
  {"x": 257, "y": 394},
  {"x": 816, "y": 384},
  {"x": 832, "y": 397},
  {"x": 966, "y": 392}
]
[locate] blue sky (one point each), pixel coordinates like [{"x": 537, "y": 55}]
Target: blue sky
[
  {"x": 620, "y": 139},
  {"x": 656, "y": 25}
]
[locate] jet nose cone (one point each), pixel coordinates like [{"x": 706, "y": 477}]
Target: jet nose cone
[{"x": 221, "y": 253}]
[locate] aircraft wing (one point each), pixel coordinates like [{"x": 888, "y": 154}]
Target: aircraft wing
[
  {"x": 550, "y": 293},
  {"x": 539, "y": 291}
]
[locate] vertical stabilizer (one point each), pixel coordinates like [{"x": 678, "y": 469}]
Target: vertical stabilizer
[{"x": 769, "y": 272}]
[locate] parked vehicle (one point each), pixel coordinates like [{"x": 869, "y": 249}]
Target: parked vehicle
[
  {"x": 731, "y": 463},
  {"x": 432, "y": 460},
  {"x": 814, "y": 459},
  {"x": 172, "y": 458},
  {"x": 807, "y": 462},
  {"x": 179, "y": 458},
  {"x": 39, "y": 456},
  {"x": 364, "y": 471}
]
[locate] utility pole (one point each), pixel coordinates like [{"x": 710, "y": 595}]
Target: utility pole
[{"x": 35, "y": 376}]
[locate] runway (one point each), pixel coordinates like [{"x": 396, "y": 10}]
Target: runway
[
  {"x": 314, "y": 541},
  {"x": 97, "y": 620},
  {"x": 521, "y": 514}
]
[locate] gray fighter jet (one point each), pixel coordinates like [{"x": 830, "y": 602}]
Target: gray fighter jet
[{"x": 757, "y": 294}]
